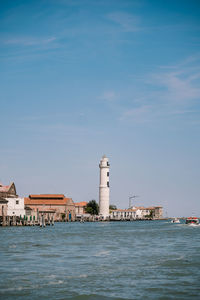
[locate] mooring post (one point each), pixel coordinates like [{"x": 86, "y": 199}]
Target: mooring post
[
  {"x": 48, "y": 219},
  {"x": 40, "y": 220},
  {"x": 38, "y": 216},
  {"x": 52, "y": 220},
  {"x": 43, "y": 220},
  {"x": 4, "y": 217}
]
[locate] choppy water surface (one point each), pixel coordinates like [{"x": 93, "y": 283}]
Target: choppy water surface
[{"x": 119, "y": 260}]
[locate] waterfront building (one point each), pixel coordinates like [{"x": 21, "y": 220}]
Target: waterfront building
[
  {"x": 155, "y": 211},
  {"x": 123, "y": 214},
  {"x": 80, "y": 207},
  {"x": 104, "y": 188},
  {"x": 8, "y": 191},
  {"x": 3, "y": 206},
  {"x": 142, "y": 211},
  {"x": 137, "y": 213},
  {"x": 15, "y": 204},
  {"x": 58, "y": 205},
  {"x": 158, "y": 212},
  {"x": 16, "y": 207}
]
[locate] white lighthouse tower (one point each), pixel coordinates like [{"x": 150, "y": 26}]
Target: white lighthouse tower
[{"x": 104, "y": 189}]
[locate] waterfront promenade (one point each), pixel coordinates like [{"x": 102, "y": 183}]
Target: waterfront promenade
[{"x": 102, "y": 260}]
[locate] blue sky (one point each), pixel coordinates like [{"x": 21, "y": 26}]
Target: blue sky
[{"x": 82, "y": 78}]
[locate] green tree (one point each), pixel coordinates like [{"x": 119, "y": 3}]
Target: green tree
[
  {"x": 112, "y": 207},
  {"x": 150, "y": 216},
  {"x": 92, "y": 208}
]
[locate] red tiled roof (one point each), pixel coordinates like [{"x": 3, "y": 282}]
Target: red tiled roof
[
  {"x": 139, "y": 207},
  {"x": 47, "y": 196},
  {"x": 83, "y": 203},
  {"x": 150, "y": 208},
  {"x": 124, "y": 210},
  {"x": 4, "y": 188},
  {"x": 136, "y": 208},
  {"x": 46, "y": 200}
]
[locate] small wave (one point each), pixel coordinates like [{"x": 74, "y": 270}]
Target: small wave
[
  {"x": 95, "y": 297},
  {"x": 180, "y": 257},
  {"x": 12, "y": 289},
  {"x": 189, "y": 225},
  {"x": 83, "y": 276},
  {"x": 51, "y": 276},
  {"x": 12, "y": 246},
  {"x": 79, "y": 276},
  {"x": 102, "y": 253},
  {"x": 56, "y": 282}
]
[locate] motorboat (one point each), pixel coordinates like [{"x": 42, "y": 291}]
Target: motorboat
[
  {"x": 175, "y": 220},
  {"x": 192, "y": 221}
]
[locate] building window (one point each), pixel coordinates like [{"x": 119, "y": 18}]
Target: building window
[
  {"x": 108, "y": 164},
  {"x": 107, "y": 183},
  {"x": 17, "y": 201},
  {"x": 107, "y": 173}
]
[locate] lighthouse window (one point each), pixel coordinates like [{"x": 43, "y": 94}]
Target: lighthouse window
[
  {"x": 17, "y": 201},
  {"x": 107, "y": 173},
  {"x": 107, "y": 183}
]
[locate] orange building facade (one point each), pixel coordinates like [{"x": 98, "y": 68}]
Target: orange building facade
[
  {"x": 80, "y": 207},
  {"x": 62, "y": 208}
]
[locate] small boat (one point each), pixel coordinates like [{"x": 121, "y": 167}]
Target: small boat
[
  {"x": 175, "y": 220},
  {"x": 192, "y": 221}
]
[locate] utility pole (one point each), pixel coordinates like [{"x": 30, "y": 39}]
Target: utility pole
[{"x": 130, "y": 198}]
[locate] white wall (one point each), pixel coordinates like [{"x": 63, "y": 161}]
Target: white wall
[{"x": 15, "y": 207}]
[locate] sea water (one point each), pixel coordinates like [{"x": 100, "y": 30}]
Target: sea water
[{"x": 116, "y": 260}]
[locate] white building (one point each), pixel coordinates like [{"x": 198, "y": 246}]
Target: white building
[
  {"x": 137, "y": 213},
  {"x": 123, "y": 214},
  {"x": 16, "y": 207},
  {"x": 104, "y": 188}
]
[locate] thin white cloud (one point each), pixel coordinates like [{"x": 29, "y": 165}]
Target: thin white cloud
[
  {"x": 109, "y": 96},
  {"x": 139, "y": 114},
  {"x": 183, "y": 112},
  {"x": 170, "y": 92},
  {"x": 180, "y": 85},
  {"x": 127, "y": 22},
  {"x": 28, "y": 41}
]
